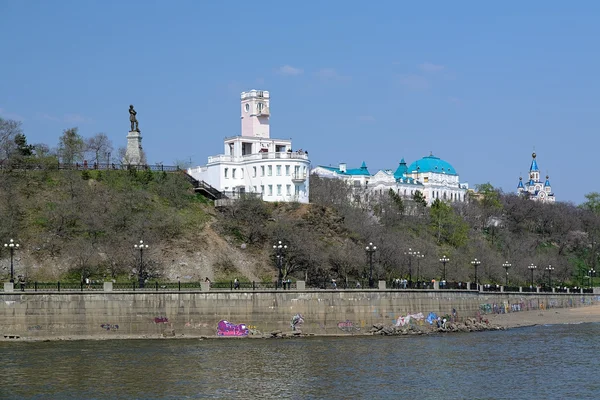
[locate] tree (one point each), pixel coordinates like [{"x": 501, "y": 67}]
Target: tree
[
  {"x": 419, "y": 199},
  {"x": 71, "y": 146},
  {"x": 99, "y": 146},
  {"x": 448, "y": 227},
  {"x": 9, "y": 130},
  {"x": 593, "y": 202}
]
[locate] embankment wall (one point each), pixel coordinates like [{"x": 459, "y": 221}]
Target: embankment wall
[{"x": 194, "y": 314}]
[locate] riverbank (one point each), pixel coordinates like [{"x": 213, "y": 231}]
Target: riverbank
[{"x": 552, "y": 316}]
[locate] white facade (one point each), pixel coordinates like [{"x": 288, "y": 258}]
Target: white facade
[
  {"x": 433, "y": 177},
  {"x": 255, "y": 163}
]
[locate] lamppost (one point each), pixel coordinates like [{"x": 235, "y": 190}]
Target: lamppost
[
  {"x": 444, "y": 260},
  {"x": 279, "y": 249},
  {"x": 410, "y": 253},
  {"x": 591, "y": 273},
  {"x": 506, "y": 266},
  {"x": 532, "y": 268},
  {"x": 476, "y": 264},
  {"x": 418, "y": 257},
  {"x": 370, "y": 249},
  {"x": 12, "y": 246},
  {"x": 549, "y": 268},
  {"x": 141, "y": 275}
]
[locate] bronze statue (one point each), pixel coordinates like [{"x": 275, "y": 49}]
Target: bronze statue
[{"x": 133, "y": 119}]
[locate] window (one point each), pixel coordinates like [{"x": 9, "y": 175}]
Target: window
[
  {"x": 270, "y": 169},
  {"x": 254, "y": 172},
  {"x": 426, "y": 179},
  {"x": 278, "y": 190},
  {"x": 262, "y": 171},
  {"x": 233, "y": 173},
  {"x": 241, "y": 172},
  {"x": 287, "y": 170},
  {"x": 278, "y": 170},
  {"x": 270, "y": 190},
  {"x": 226, "y": 171},
  {"x": 296, "y": 190},
  {"x": 288, "y": 190},
  {"x": 262, "y": 188},
  {"x": 254, "y": 189}
]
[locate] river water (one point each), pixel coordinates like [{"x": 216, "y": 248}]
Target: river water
[{"x": 541, "y": 362}]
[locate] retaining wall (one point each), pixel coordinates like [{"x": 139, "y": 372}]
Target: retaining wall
[{"x": 194, "y": 314}]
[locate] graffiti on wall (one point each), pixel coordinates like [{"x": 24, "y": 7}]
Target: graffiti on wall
[
  {"x": 225, "y": 328},
  {"x": 109, "y": 327},
  {"x": 297, "y": 321},
  {"x": 34, "y": 328},
  {"x": 409, "y": 318},
  {"x": 348, "y": 326},
  {"x": 161, "y": 320}
]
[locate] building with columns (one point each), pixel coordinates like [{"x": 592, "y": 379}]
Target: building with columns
[
  {"x": 433, "y": 177},
  {"x": 534, "y": 187},
  {"x": 256, "y": 163}
]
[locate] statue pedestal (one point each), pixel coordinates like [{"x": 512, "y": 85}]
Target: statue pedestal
[{"x": 134, "y": 153}]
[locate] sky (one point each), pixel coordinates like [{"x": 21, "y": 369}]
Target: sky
[{"x": 479, "y": 84}]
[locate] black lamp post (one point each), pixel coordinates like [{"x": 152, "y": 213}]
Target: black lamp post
[
  {"x": 12, "y": 246},
  {"x": 370, "y": 249},
  {"x": 549, "y": 268},
  {"x": 279, "y": 249},
  {"x": 506, "y": 266},
  {"x": 476, "y": 264},
  {"x": 141, "y": 275},
  {"x": 444, "y": 260},
  {"x": 410, "y": 253},
  {"x": 418, "y": 256},
  {"x": 532, "y": 268},
  {"x": 591, "y": 273}
]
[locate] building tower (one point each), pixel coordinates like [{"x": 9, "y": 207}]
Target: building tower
[{"x": 255, "y": 114}]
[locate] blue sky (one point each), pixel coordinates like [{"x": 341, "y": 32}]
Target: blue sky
[{"x": 481, "y": 85}]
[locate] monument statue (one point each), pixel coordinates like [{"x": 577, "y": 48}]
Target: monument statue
[{"x": 133, "y": 119}]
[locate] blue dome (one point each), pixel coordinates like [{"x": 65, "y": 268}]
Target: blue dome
[{"x": 432, "y": 164}]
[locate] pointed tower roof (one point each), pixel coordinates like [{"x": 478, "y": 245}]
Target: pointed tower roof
[
  {"x": 534, "y": 166},
  {"x": 520, "y": 185},
  {"x": 547, "y": 183},
  {"x": 401, "y": 170}
]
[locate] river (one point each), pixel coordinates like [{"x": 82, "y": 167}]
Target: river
[{"x": 540, "y": 362}]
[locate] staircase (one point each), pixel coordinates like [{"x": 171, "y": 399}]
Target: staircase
[{"x": 204, "y": 188}]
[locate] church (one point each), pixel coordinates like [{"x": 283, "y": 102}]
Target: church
[
  {"x": 434, "y": 177},
  {"x": 534, "y": 188}
]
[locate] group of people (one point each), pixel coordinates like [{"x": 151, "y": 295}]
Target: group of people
[{"x": 400, "y": 283}]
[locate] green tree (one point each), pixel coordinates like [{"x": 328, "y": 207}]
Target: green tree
[
  {"x": 446, "y": 225},
  {"x": 593, "y": 203},
  {"x": 419, "y": 199},
  {"x": 71, "y": 146}
]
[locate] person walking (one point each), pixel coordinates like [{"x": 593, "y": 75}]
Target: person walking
[{"x": 236, "y": 284}]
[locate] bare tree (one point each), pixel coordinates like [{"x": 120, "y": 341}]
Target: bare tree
[{"x": 99, "y": 148}]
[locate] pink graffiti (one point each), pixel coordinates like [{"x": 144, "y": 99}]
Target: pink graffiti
[
  {"x": 225, "y": 328},
  {"x": 161, "y": 320}
]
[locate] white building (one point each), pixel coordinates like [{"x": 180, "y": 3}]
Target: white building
[
  {"x": 256, "y": 163},
  {"x": 432, "y": 176},
  {"x": 534, "y": 188}
]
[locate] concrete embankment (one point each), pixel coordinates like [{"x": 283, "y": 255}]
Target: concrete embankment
[{"x": 194, "y": 314}]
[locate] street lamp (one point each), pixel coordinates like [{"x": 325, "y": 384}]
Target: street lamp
[
  {"x": 591, "y": 273},
  {"x": 370, "y": 249},
  {"x": 532, "y": 268},
  {"x": 476, "y": 264},
  {"x": 418, "y": 257},
  {"x": 444, "y": 260},
  {"x": 141, "y": 276},
  {"x": 12, "y": 246},
  {"x": 279, "y": 249},
  {"x": 506, "y": 266},
  {"x": 549, "y": 268},
  {"x": 410, "y": 253}
]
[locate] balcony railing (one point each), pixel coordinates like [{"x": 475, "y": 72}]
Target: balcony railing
[
  {"x": 258, "y": 156},
  {"x": 299, "y": 177}
]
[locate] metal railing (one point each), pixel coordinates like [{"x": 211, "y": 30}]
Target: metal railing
[{"x": 87, "y": 166}]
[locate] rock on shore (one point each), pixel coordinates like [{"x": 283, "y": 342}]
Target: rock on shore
[{"x": 470, "y": 325}]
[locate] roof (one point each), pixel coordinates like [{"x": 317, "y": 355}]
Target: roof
[
  {"x": 401, "y": 170},
  {"x": 352, "y": 172},
  {"x": 534, "y": 166},
  {"x": 432, "y": 164}
]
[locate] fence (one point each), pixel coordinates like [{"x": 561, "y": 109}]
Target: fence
[{"x": 87, "y": 166}]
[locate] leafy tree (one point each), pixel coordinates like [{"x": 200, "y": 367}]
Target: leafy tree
[
  {"x": 592, "y": 203},
  {"x": 71, "y": 146},
  {"x": 447, "y": 227}
]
